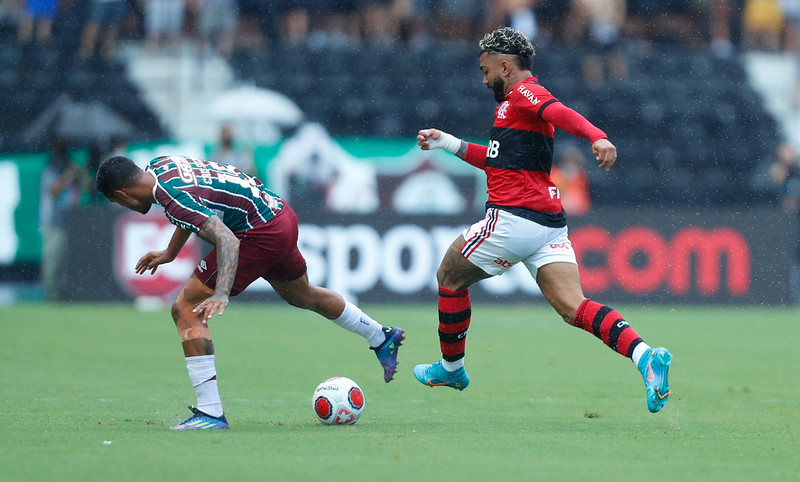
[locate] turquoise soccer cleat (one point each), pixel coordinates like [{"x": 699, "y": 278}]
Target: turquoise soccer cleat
[
  {"x": 436, "y": 376},
  {"x": 654, "y": 366},
  {"x": 387, "y": 351},
  {"x": 201, "y": 421}
]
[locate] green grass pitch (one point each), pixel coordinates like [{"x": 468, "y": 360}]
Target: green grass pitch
[{"x": 88, "y": 392}]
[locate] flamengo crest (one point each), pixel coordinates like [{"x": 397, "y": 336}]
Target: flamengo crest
[{"x": 501, "y": 111}]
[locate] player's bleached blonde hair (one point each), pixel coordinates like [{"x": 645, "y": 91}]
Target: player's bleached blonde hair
[{"x": 506, "y": 40}]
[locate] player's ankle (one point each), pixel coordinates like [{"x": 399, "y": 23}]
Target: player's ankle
[{"x": 452, "y": 366}]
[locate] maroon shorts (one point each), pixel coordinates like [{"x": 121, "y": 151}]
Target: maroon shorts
[{"x": 268, "y": 251}]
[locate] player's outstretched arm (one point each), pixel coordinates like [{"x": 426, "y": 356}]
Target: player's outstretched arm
[
  {"x": 605, "y": 152},
  {"x": 227, "y": 245},
  {"x": 571, "y": 121},
  {"x": 153, "y": 259},
  {"x": 428, "y": 139},
  {"x": 474, "y": 154}
]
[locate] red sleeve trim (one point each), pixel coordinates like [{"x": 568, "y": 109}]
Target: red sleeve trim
[
  {"x": 570, "y": 121},
  {"x": 476, "y": 155}
]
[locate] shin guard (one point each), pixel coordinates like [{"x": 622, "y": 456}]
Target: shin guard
[
  {"x": 455, "y": 312},
  {"x": 607, "y": 325}
]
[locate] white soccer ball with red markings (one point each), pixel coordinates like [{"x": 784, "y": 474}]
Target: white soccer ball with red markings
[{"x": 338, "y": 401}]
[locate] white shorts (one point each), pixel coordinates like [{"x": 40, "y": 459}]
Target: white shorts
[{"x": 501, "y": 240}]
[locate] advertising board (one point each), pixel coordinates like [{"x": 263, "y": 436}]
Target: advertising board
[{"x": 625, "y": 256}]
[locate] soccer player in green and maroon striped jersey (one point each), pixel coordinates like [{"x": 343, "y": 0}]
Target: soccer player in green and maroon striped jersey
[{"x": 254, "y": 234}]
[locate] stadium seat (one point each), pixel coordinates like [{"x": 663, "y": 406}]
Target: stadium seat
[{"x": 683, "y": 119}]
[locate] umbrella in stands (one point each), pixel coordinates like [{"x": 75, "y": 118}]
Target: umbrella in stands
[
  {"x": 81, "y": 123},
  {"x": 258, "y": 114}
]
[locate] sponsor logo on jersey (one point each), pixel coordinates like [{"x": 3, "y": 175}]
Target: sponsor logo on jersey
[
  {"x": 528, "y": 94},
  {"x": 184, "y": 169}
]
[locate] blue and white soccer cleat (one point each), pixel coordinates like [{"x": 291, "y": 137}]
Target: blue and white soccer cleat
[
  {"x": 436, "y": 376},
  {"x": 387, "y": 351},
  {"x": 201, "y": 421},
  {"x": 654, "y": 366}
]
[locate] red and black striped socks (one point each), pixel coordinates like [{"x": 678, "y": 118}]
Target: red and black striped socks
[
  {"x": 609, "y": 326},
  {"x": 455, "y": 313}
]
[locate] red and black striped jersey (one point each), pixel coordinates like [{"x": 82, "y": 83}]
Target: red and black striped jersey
[{"x": 519, "y": 156}]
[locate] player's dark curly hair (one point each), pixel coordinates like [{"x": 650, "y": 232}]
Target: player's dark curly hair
[
  {"x": 506, "y": 40},
  {"x": 116, "y": 173}
]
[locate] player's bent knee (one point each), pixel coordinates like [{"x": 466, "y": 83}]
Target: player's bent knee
[
  {"x": 567, "y": 313},
  {"x": 179, "y": 309},
  {"x": 189, "y": 333},
  {"x": 189, "y": 325}
]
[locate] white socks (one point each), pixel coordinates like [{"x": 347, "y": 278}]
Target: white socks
[
  {"x": 354, "y": 320},
  {"x": 452, "y": 366},
  {"x": 640, "y": 350},
  {"x": 203, "y": 372},
  {"x": 203, "y": 375}
]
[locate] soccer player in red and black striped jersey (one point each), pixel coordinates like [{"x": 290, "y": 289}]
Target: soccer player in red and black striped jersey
[
  {"x": 254, "y": 234},
  {"x": 525, "y": 222}
]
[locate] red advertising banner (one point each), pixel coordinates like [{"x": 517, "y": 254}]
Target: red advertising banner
[
  {"x": 135, "y": 235},
  {"x": 625, "y": 256},
  {"x": 693, "y": 259}
]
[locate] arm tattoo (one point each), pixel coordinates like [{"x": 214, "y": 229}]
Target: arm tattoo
[
  {"x": 462, "y": 149},
  {"x": 227, "y": 246}
]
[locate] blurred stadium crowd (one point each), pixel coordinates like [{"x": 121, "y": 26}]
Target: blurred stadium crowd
[
  {"x": 723, "y": 25},
  {"x": 663, "y": 78}
]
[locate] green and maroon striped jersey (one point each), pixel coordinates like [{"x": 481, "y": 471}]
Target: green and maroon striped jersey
[{"x": 191, "y": 190}]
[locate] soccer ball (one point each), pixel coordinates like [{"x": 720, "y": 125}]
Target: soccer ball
[{"x": 338, "y": 401}]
